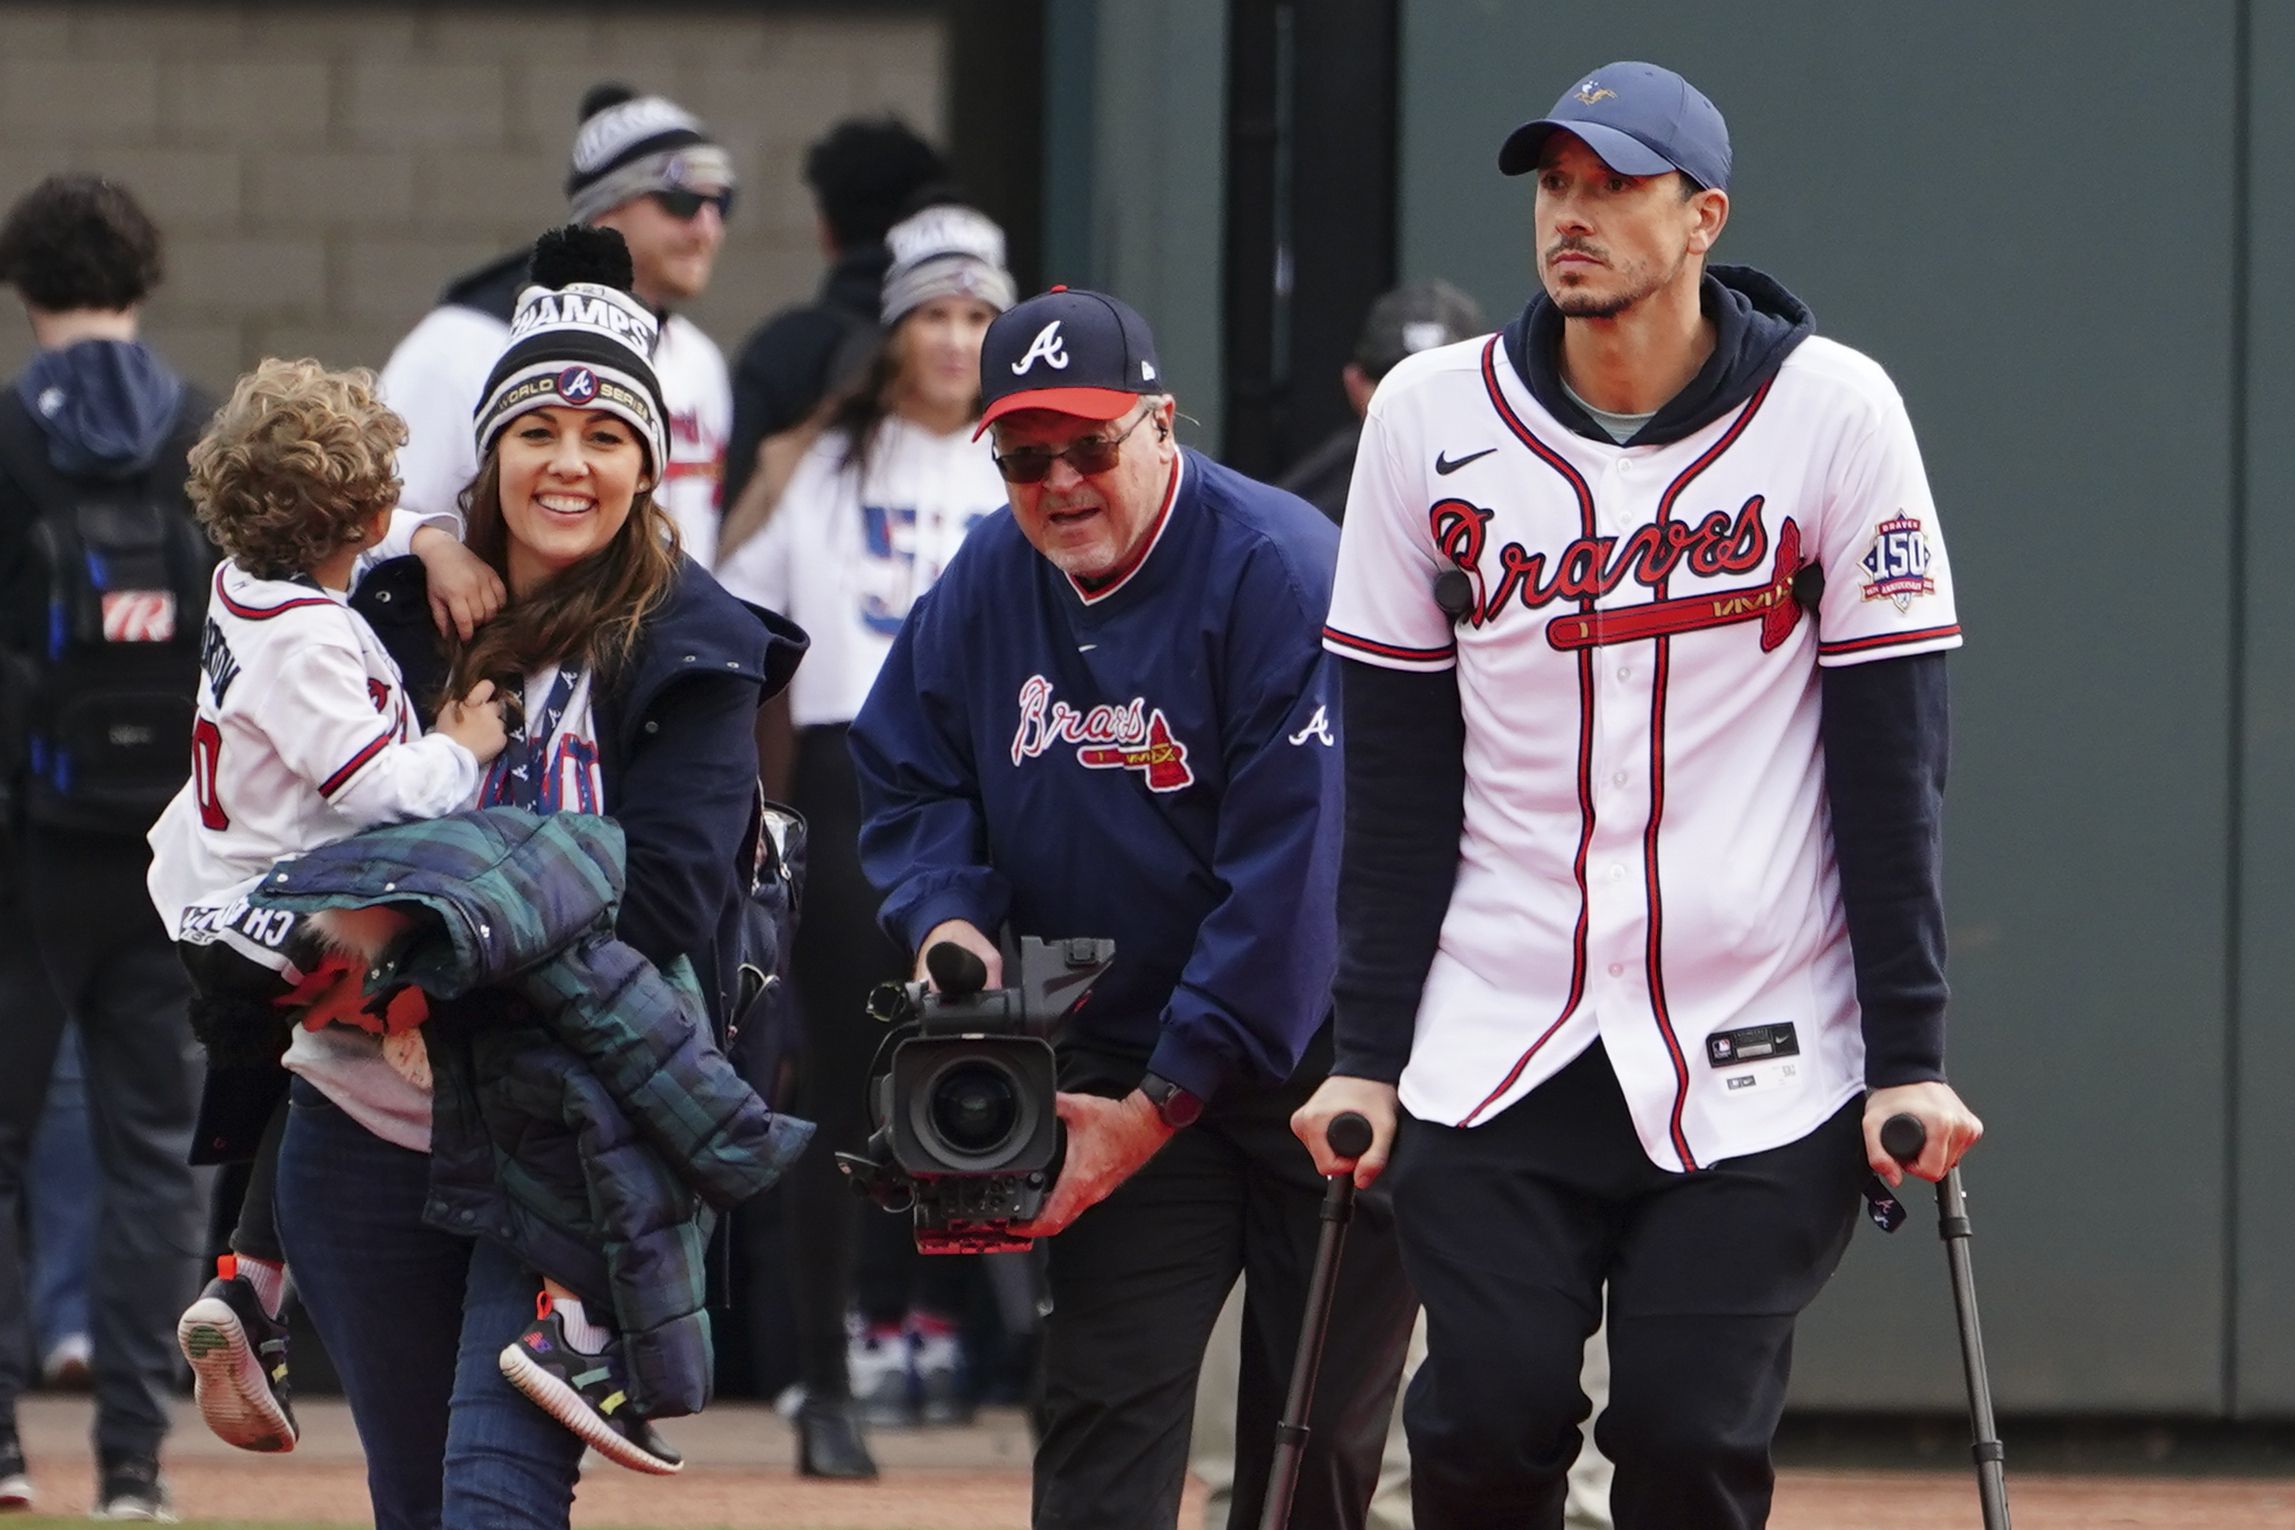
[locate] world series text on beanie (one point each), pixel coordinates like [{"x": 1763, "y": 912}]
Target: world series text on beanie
[{"x": 578, "y": 340}]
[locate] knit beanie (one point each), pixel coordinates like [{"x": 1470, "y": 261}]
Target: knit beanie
[
  {"x": 630, "y": 144},
  {"x": 945, "y": 251},
  {"x": 578, "y": 340}
]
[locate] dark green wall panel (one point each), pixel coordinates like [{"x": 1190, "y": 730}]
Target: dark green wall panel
[{"x": 2263, "y": 1336}]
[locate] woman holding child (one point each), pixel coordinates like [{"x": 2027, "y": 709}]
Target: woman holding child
[{"x": 635, "y": 682}]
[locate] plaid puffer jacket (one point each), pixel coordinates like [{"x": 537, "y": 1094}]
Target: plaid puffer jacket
[{"x": 582, "y": 1117}]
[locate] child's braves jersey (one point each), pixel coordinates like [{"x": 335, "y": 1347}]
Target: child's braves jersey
[
  {"x": 1156, "y": 762},
  {"x": 1647, "y": 855},
  {"x": 304, "y": 736}
]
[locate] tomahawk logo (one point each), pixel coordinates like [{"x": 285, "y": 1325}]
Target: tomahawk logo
[
  {"x": 1130, "y": 737},
  {"x": 1047, "y": 347}
]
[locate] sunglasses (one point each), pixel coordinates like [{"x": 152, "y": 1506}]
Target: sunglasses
[
  {"x": 685, "y": 206},
  {"x": 1086, "y": 454}
]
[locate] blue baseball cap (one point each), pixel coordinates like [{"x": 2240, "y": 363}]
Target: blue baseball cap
[
  {"x": 1069, "y": 351},
  {"x": 1641, "y": 120}
]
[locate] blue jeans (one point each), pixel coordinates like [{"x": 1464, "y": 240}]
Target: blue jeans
[
  {"x": 414, "y": 1320},
  {"x": 64, "y": 1190}
]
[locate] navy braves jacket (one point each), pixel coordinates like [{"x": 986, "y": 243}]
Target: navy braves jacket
[{"x": 1156, "y": 763}]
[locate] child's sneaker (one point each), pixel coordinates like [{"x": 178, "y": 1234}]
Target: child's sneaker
[
  {"x": 583, "y": 1393},
  {"x": 238, "y": 1355}
]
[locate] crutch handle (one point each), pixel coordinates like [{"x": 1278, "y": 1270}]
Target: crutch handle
[
  {"x": 1903, "y": 1137},
  {"x": 1349, "y": 1134}
]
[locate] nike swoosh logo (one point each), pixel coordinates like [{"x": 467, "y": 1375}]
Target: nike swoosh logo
[
  {"x": 1448, "y": 465},
  {"x": 1086, "y": 647}
]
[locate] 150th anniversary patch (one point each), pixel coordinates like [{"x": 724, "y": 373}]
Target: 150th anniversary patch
[{"x": 1896, "y": 565}]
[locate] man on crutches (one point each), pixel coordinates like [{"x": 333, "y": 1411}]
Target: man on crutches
[{"x": 1643, "y": 606}]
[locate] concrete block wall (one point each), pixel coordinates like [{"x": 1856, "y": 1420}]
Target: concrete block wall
[{"x": 321, "y": 169}]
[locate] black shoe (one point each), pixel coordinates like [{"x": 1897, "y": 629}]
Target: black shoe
[
  {"x": 585, "y": 1393},
  {"x": 15, "y": 1483},
  {"x": 830, "y": 1443},
  {"x": 238, "y": 1355},
  {"x": 129, "y": 1488}
]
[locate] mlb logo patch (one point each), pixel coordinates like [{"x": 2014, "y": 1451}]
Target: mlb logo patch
[{"x": 139, "y": 616}]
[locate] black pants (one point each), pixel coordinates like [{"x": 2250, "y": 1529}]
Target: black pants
[
  {"x": 82, "y": 924},
  {"x": 1509, "y": 1231},
  {"x": 1137, "y": 1282},
  {"x": 841, "y": 954}
]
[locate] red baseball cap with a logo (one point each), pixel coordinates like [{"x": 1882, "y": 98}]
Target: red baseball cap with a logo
[{"x": 1069, "y": 351}]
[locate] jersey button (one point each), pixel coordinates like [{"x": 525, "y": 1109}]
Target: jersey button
[
  {"x": 1617, "y": 872},
  {"x": 1619, "y": 779},
  {"x": 1617, "y": 969}
]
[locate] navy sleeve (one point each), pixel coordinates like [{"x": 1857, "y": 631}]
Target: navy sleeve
[
  {"x": 683, "y": 802},
  {"x": 1406, "y": 808},
  {"x": 924, "y": 837},
  {"x": 1257, "y": 983},
  {"x": 1887, "y": 733}
]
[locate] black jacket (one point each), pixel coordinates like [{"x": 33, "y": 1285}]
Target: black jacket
[
  {"x": 677, "y": 736},
  {"x": 792, "y": 361}
]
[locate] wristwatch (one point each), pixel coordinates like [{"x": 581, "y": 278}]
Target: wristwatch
[{"x": 1177, "y": 1107}]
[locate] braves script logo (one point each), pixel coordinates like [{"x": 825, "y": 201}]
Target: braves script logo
[
  {"x": 1047, "y": 346},
  {"x": 1896, "y": 565},
  {"x": 1129, "y": 737},
  {"x": 1592, "y": 567}
]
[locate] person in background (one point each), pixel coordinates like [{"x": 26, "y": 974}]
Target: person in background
[
  {"x": 871, "y": 515},
  {"x": 1417, "y": 316},
  {"x": 865, "y": 174},
  {"x": 648, "y": 169},
  {"x": 98, "y": 420}
]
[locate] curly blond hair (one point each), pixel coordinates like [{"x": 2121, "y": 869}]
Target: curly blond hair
[{"x": 295, "y": 465}]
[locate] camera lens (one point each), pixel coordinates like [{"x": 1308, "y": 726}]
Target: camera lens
[{"x": 975, "y": 1107}]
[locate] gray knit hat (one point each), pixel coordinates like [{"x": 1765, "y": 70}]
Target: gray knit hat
[
  {"x": 630, "y": 144},
  {"x": 945, "y": 251}
]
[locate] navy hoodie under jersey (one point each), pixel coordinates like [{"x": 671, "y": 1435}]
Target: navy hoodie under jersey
[{"x": 1156, "y": 762}]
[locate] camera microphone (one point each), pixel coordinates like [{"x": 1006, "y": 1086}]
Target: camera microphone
[{"x": 956, "y": 972}]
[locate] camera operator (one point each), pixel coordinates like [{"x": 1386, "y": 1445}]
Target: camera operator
[{"x": 1110, "y": 718}]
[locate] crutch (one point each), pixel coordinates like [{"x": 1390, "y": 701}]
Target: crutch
[
  {"x": 1349, "y": 1136},
  {"x": 1902, "y": 1138}
]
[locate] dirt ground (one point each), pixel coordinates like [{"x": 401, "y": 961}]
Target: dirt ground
[{"x": 740, "y": 1478}]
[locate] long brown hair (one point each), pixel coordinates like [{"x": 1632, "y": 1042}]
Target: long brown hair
[{"x": 586, "y": 615}]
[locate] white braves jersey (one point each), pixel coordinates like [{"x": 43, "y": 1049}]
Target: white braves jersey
[
  {"x": 434, "y": 377},
  {"x": 844, "y": 558},
  {"x": 1647, "y": 855},
  {"x": 304, "y": 736}
]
